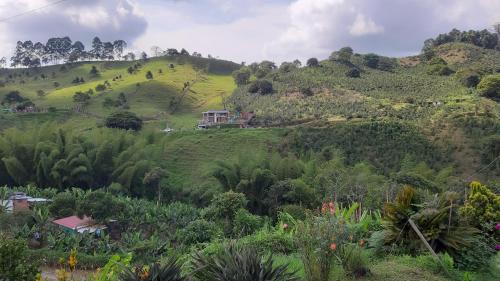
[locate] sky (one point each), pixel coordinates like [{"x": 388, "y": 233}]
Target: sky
[{"x": 248, "y": 30}]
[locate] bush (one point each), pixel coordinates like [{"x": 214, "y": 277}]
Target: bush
[
  {"x": 100, "y": 87},
  {"x": 262, "y": 87},
  {"x": 353, "y": 72},
  {"x": 371, "y": 60},
  {"x": 63, "y": 205},
  {"x": 242, "y": 264},
  {"x": 482, "y": 207},
  {"x": 270, "y": 240},
  {"x": 489, "y": 87},
  {"x": 245, "y": 223},
  {"x": 354, "y": 260},
  {"x": 124, "y": 120},
  {"x": 14, "y": 261},
  {"x": 198, "y": 231},
  {"x": 469, "y": 78},
  {"x": 149, "y": 75}
]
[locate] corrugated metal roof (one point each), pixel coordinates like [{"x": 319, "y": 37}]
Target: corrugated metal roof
[{"x": 73, "y": 222}]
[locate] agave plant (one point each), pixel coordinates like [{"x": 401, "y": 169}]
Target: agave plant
[
  {"x": 239, "y": 264},
  {"x": 437, "y": 220},
  {"x": 169, "y": 271}
]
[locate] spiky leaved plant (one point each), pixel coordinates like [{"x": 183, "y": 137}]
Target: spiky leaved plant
[
  {"x": 169, "y": 271},
  {"x": 239, "y": 264}
]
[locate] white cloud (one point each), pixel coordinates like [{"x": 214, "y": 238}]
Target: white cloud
[{"x": 364, "y": 26}]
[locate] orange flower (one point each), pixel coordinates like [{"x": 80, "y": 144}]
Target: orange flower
[
  {"x": 323, "y": 209},
  {"x": 332, "y": 208},
  {"x": 333, "y": 246}
]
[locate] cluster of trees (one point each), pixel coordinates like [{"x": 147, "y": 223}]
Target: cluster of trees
[
  {"x": 50, "y": 157},
  {"x": 14, "y": 99},
  {"x": 63, "y": 49},
  {"x": 482, "y": 38}
]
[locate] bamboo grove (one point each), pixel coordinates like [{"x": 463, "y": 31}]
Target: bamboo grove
[{"x": 51, "y": 156}]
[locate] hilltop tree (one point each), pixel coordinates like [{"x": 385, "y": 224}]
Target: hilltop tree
[
  {"x": 13, "y": 97},
  {"x": 119, "y": 46},
  {"x": 144, "y": 56},
  {"x": 312, "y": 62},
  {"x": 156, "y": 51},
  {"x": 184, "y": 52},
  {"x": 343, "y": 55},
  {"x": 3, "y": 62},
  {"x": 242, "y": 76},
  {"x": 97, "y": 48}
]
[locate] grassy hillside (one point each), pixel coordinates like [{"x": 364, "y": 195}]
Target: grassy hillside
[{"x": 163, "y": 98}]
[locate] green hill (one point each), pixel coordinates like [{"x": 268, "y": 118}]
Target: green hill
[{"x": 165, "y": 98}]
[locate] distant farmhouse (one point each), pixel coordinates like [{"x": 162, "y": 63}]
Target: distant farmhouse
[
  {"x": 219, "y": 118},
  {"x": 19, "y": 202}
]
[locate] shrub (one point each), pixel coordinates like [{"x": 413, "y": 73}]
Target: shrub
[
  {"x": 353, "y": 72},
  {"x": 124, "y": 120},
  {"x": 242, "y": 264},
  {"x": 371, "y": 60},
  {"x": 262, "y": 87},
  {"x": 354, "y": 260},
  {"x": 318, "y": 240},
  {"x": 482, "y": 207},
  {"x": 198, "y": 231},
  {"x": 270, "y": 240},
  {"x": 489, "y": 87},
  {"x": 100, "y": 87},
  {"x": 149, "y": 75},
  {"x": 14, "y": 261},
  {"x": 469, "y": 78},
  {"x": 63, "y": 205},
  {"x": 245, "y": 223},
  {"x": 166, "y": 271}
]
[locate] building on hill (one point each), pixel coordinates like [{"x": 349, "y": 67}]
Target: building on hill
[
  {"x": 217, "y": 118},
  {"x": 20, "y": 202},
  {"x": 74, "y": 224}
]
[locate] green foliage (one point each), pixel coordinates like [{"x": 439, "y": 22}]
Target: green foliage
[
  {"x": 489, "y": 87},
  {"x": 319, "y": 239},
  {"x": 262, "y": 87},
  {"x": 469, "y": 78},
  {"x": 242, "y": 76},
  {"x": 312, "y": 62},
  {"x": 113, "y": 268},
  {"x": 167, "y": 271},
  {"x": 63, "y": 205},
  {"x": 437, "y": 220},
  {"x": 149, "y": 75},
  {"x": 80, "y": 97},
  {"x": 124, "y": 120},
  {"x": 482, "y": 207},
  {"x": 354, "y": 260},
  {"x": 371, "y": 60},
  {"x": 198, "y": 231},
  {"x": 353, "y": 73},
  {"x": 14, "y": 261},
  {"x": 239, "y": 264},
  {"x": 100, "y": 205},
  {"x": 245, "y": 223}
]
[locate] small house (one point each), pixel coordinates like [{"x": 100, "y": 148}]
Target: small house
[
  {"x": 20, "y": 201},
  {"x": 74, "y": 224},
  {"x": 214, "y": 117}
]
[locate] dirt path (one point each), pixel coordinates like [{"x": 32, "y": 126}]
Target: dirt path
[{"x": 50, "y": 274}]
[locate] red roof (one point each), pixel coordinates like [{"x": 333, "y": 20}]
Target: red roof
[{"x": 73, "y": 222}]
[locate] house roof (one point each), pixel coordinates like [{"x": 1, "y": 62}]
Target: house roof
[
  {"x": 73, "y": 222},
  {"x": 217, "y": 111}
]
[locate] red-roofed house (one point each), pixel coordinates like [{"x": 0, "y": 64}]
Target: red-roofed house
[{"x": 75, "y": 224}]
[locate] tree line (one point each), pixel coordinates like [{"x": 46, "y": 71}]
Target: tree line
[
  {"x": 63, "y": 49},
  {"x": 481, "y": 38}
]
